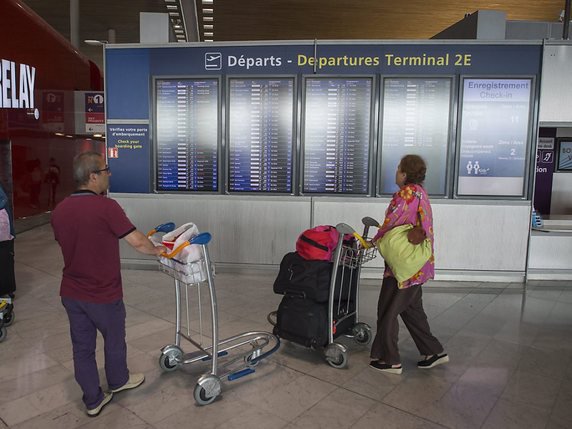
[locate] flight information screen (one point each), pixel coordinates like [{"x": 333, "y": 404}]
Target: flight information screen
[
  {"x": 187, "y": 134},
  {"x": 416, "y": 120},
  {"x": 494, "y": 139},
  {"x": 336, "y": 139},
  {"x": 261, "y": 134}
]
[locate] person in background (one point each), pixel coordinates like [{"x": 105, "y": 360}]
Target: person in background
[
  {"x": 7, "y": 276},
  {"x": 35, "y": 183},
  {"x": 409, "y": 204},
  {"x": 52, "y": 178},
  {"x": 88, "y": 226}
]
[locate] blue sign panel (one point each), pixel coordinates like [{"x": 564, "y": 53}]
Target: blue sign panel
[
  {"x": 129, "y": 164},
  {"x": 494, "y": 136}
]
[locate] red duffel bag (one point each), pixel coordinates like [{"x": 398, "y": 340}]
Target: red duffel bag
[{"x": 318, "y": 243}]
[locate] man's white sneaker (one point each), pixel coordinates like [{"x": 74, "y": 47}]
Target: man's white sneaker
[
  {"x": 95, "y": 411},
  {"x": 135, "y": 380}
]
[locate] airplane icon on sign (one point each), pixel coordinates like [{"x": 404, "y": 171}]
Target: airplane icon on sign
[{"x": 213, "y": 61}]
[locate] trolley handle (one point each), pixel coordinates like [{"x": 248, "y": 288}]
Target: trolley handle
[
  {"x": 344, "y": 228},
  {"x": 201, "y": 239},
  {"x": 367, "y": 223},
  {"x": 164, "y": 227}
]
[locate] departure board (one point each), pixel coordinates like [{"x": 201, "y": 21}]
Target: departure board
[
  {"x": 416, "y": 120},
  {"x": 187, "y": 134},
  {"x": 494, "y": 137},
  {"x": 336, "y": 139},
  {"x": 261, "y": 134}
]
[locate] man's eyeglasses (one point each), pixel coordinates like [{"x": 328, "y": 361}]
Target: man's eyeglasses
[{"x": 106, "y": 169}]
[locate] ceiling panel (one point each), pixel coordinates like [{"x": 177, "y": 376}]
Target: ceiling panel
[
  {"x": 359, "y": 19},
  {"x": 236, "y": 20}
]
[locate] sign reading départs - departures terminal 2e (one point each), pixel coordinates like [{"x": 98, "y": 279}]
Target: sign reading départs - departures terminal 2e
[{"x": 214, "y": 61}]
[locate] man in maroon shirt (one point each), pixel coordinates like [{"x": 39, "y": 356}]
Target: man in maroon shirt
[{"x": 88, "y": 227}]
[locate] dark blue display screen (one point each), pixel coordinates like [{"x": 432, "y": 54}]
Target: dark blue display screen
[
  {"x": 260, "y": 136},
  {"x": 416, "y": 118},
  {"x": 336, "y": 140},
  {"x": 187, "y": 134}
]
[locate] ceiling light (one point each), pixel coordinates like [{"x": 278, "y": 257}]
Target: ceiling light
[
  {"x": 208, "y": 26},
  {"x": 209, "y": 40},
  {"x": 207, "y": 1},
  {"x": 172, "y": 6},
  {"x": 208, "y": 10},
  {"x": 173, "y": 13},
  {"x": 94, "y": 42},
  {"x": 208, "y": 18},
  {"x": 98, "y": 135},
  {"x": 208, "y": 34},
  {"x": 179, "y": 31},
  {"x": 170, "y": 1}
]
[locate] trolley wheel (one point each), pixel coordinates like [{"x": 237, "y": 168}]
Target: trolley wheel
[
  {"x": 170, "y": 358},
  {"x": 336, "y": 355},
  {"x": 252, "y": 355},
  {"x": 3, "y": 333},
  {"x": 272, "y": 317},
  {"x": 9, "y": 318},
  {"x": 207, "y": 389},
  {"x": 362, "y": 333}
]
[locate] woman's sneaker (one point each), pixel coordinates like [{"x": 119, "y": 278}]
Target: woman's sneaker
[
  {"x": 434, "y": 360},
  {"x": 385, "y": 367}
]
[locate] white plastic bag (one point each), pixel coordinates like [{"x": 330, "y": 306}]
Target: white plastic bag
[
  {"x": 5, "y": 226},
  {"x": 189, "y": 261}
]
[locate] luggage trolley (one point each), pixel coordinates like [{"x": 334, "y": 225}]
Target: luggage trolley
[
  {"x": 348, "y": 258},
  {"x": 6, "y": 315},
  {"x": 343, "y": 296},
  {"x": 251, "y": 345}
]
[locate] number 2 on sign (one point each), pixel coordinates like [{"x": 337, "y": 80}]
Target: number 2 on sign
[{"x": 462, "y": 59}]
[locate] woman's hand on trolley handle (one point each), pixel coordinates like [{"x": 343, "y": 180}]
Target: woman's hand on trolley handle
[{"x": 367, "y": 223}]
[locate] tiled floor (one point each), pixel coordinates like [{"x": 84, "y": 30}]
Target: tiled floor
[{"x": 511, "y": 359}]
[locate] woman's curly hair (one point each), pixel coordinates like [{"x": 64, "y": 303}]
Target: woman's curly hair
[{"x": 414, "y": 167}]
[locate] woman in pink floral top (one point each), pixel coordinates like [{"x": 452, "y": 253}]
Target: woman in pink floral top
[{"x": 405, "y": 299}]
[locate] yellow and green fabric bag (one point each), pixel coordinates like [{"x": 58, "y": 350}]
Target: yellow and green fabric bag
[{"x": 404, "y": 259}]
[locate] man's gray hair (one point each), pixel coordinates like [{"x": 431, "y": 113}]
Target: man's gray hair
[{"x": 83, "y": 165}]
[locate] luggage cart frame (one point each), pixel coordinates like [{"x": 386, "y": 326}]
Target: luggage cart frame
[
  {"x": 208, "y": 386},
  {"x": 348, "y": 257},
  {"x": 340, "y": 312}
]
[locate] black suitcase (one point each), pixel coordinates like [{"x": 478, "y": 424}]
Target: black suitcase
[
  {"x": 311, "y": 279},
  {"x": 305, "y": 322},
  {"x": 7, "y": 278},
  {"x": 302, "y": 321}
]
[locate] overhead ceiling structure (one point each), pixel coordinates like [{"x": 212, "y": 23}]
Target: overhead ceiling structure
[{"x": 244, "y": 20}]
